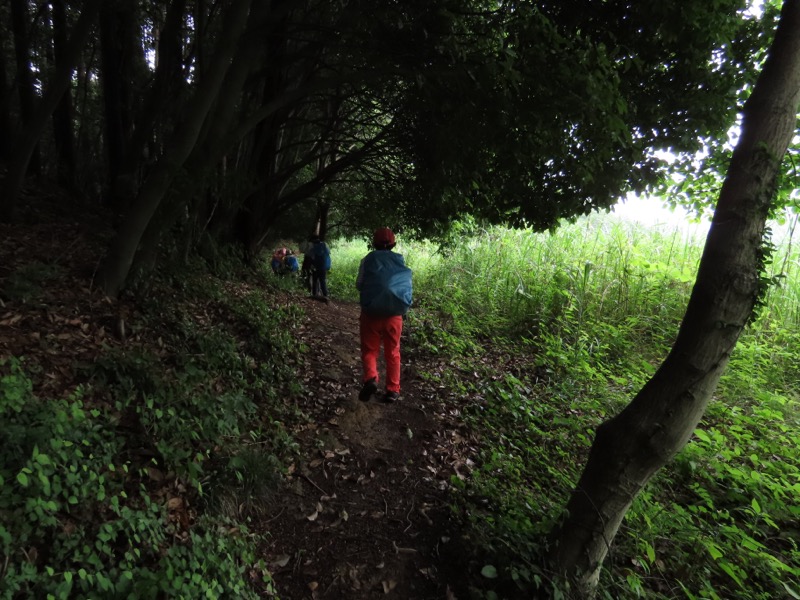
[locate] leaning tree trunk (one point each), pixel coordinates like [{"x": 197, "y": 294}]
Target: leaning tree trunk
[
  {"x": 631, "y": 447},
  {"x": 117, "y": 263}
]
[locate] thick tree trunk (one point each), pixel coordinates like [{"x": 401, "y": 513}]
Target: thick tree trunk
[
  {"x": 26, "y": 142},
  {"x": 632, "y": 446},
  {"x": 123, "y": 71},
  {"x": 114, "y": 78},
  {"x": 119, "y": 259}
]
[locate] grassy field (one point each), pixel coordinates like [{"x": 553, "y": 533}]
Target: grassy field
[{"x": 566, "y": 327}]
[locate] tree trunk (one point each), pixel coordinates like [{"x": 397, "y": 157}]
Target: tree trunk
[
  {"x": 113, "y": 80},
  {"x": 323, "y": 208},
  {"x": 210, "y": 148},
  {"x": 63, "y": 117},
  {"x": 25, "y": 85},
  {"x": 631, "y": 447},
  {"x": 5, "y": 94},
  {"x": 119, "y": 259},
  {"x": 26, "y": 142},
  {"x": 122, "y": 69}
]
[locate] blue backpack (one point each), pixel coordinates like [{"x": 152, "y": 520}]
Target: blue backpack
[
  {"x": 320, "y": 256},
  {"x": 386, "y": 288},
  {"x": 291, "y": 263}
]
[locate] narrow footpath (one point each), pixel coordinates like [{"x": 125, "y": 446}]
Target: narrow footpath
[{"x": 364, "y": 512}]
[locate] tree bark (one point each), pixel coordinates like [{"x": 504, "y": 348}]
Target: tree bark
[
  {"x": 114, "y": 79},
  {"x": 210, "y": 148},
  {"x": 117, "y": 264},
  {"x": 631, "y": 447},
  {"x": 26, "y": 142},
  {"x": 25, "y": 86},
  {"x": 63, "y": 114},
  {"x": 5, "y": 93}
]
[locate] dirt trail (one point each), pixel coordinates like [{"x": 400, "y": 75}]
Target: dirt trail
[{"x": 364, "y": 513}]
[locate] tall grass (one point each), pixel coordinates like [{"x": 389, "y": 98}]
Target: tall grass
[
  {"x": 596, "y": 305},
  {"x": 575, "y": 283}
]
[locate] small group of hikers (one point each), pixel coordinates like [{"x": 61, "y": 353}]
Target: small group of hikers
[
  {"x": 315, "y": 267},
  {"x": 385, "y": 294},
  {"x": 284, "y": 262}
]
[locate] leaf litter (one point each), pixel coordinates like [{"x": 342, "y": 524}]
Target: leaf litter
[{"x": 380, "y": 528}]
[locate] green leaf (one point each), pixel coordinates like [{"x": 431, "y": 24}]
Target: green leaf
[
  {"x": 702, "y": 435},
  {"x": 43, "y": 459},
  {"x": 22, "y": 478},
  {"x": 729, "y": 569},
  {"x": 651, "y": 553},
  {"x": 756, "y": 506},
  {"x": 489, "y": 571},
  {"x": 791, "y": 591},
  {"x": 714, "y": 551}
]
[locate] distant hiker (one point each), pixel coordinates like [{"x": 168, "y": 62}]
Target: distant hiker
[
  {"x": 320, "y": 257},
  {"x": 290, "y": 264},
  {"x": 277, "y": 260},
  {"x": 384, "y": 283}
]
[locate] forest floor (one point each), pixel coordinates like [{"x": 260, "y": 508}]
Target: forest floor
[
  {"x": 365, "y": 514},
  {"x": 363, "y": 511}
]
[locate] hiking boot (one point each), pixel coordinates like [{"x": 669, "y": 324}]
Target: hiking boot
[
  {"x": 390, "y": 397},
  {"x": 370, "y": 387}
]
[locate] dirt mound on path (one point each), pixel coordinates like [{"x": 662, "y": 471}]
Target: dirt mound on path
[{"x": 364, "y": 512}]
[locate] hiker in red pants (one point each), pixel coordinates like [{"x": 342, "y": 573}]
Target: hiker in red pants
[{"x": 385, "y": 285}]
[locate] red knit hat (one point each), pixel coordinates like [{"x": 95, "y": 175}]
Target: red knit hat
[{"x": 383, "y": 237}]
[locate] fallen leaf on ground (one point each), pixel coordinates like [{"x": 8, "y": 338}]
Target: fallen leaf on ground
[{"x": 280, "y": 561}]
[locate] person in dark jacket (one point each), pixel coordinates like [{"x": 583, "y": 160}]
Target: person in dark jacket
[{"x": 320, "y": 257}]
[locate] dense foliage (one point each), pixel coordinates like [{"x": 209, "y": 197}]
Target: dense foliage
[
  {"x": 140, "y": 482},
  {"x": 203, "y": 123},
  {"x": 576, "y": 322},
  {"x": 195, "y": 121}
]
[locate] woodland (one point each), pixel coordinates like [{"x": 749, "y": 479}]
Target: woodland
[{"x": 590, "y": 412}]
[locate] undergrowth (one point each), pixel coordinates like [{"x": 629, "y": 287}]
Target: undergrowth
[
  {"x": 141, "y": 482},
  {"x": 585, "y": 315}
]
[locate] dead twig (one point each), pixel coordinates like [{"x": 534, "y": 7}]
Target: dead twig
[
  {"x": 408, "y": 514},
  {"x": 308, "y": 479}
]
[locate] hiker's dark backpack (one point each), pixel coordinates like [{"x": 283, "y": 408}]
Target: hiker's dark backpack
[
  {"x": 386, "y": 284},
  {"x": 320, "y": 256}
]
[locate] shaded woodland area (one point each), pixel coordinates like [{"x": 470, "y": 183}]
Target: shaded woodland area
[
  {"x": 209, "y": 128},
  {"x": 194, "y": 124}
]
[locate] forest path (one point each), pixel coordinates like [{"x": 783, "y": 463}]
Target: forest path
[{"x": 364, "y": 513}]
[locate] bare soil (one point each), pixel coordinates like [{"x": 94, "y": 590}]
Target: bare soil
[{"x": 365, "y": 511}]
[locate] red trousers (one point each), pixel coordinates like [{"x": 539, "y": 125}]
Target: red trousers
[{"x": 375, "y": 330}]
